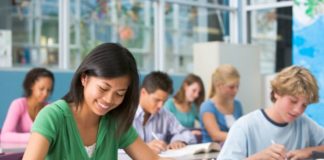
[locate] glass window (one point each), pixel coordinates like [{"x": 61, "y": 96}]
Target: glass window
[
  {"x": 34, "y": 28},
  {"x": 270, "y": 29},
  {"x": 186, "y": 25},
  {"x": 259, "y": 2},
  {"x": 128, "y": 22}
]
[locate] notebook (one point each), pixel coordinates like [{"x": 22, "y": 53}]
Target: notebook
[{"x": 192, "y": 149}]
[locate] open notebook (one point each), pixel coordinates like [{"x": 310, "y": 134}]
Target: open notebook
[{"x": 192, "y": 149}]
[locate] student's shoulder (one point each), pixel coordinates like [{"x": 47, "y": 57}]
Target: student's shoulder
[
  {"x": 250, "y": 118},
  {"x": 207, "y": 103},
  {"x": 19, "y": 105},
  {"x": 169, "y": 103},
  {"x": 170, "y": 100},
  {"x": 237, "y": 102},
  {"x": 207, "y": 106},
  {"x": 57, "y": 109},
  {"x": 21, "y": 101},
  {"x": 304, "y": 120},
  {"x": 166, "y": 114}
]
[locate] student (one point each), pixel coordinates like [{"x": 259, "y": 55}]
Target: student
[
  {"x": 37, "y": 85},
  {"x": 184, "y": 104},
  {"x": 218, "y": 113},
  {"x": 157, "y": 126},
  {"x": 279, "y": 131},
  {"x": 94, "y": 118}
]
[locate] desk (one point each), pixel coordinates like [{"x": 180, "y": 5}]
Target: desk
[
  {"x": 205, "y": 156},
  {"x": 12, "y": 147}
]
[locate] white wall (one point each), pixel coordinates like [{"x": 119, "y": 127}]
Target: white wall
[{"x": 207, "y": 56}]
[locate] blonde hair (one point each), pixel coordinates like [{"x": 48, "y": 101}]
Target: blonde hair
[
  {"x": 221, "y": 75},
  {"x": 295, "y": 81}
]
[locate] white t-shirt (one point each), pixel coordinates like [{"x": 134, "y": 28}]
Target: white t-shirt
[
  {"x": 229, "y": 119},
  {"x": 90, "y": 149}
]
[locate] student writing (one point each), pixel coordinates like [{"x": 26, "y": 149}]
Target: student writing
[
  {"x": 94, "y": 118},
  {"x": 151, "y": 117},
  {"x": 280, "y": 131}
]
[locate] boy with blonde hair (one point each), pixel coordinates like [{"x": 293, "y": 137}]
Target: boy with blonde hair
[{"x": 279, "y": 131}]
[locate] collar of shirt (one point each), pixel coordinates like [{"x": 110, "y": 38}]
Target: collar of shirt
[{"x": 139, "y": 115}]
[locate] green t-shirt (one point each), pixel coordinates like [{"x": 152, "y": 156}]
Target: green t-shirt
[{"x": 57, "y": 124}]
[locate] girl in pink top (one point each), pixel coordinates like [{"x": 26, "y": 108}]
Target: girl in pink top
[{"x": 38, "y": 85}]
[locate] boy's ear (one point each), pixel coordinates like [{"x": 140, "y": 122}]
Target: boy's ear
[
  {"x": 275, "y": 95},
  {"x": 143, "y": 91}
]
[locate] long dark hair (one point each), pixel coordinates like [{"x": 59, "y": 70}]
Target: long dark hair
[
  {"x": 32, "y": 76},
  {"x": 109, "y": 60}
]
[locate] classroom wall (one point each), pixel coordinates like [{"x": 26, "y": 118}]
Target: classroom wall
[
  {"x": 11, "y": 86},
  {"x": 207, "y": 56},
  {"x": 308, "y": 50}
]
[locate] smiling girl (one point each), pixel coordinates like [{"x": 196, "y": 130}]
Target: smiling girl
[{"x": 94, "y": 119}]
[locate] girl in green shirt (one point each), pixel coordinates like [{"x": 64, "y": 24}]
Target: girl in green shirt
[{"x": 95, "y": 117}]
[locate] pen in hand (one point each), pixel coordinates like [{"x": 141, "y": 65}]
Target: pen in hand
[
  {"x": 155, "y": 136},
  {"x": 159, "y": 142},
  {"x": 273, "y": 142}
]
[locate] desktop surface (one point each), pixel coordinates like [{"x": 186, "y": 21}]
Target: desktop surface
[
  {"x": 12, "y": 147},
  {"x": 204, "y": 156}
]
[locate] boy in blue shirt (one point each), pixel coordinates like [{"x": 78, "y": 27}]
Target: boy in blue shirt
[{"x": 279, "y": 131}]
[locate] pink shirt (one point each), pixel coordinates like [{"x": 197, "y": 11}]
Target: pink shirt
[{"x": 17, "y": 125}]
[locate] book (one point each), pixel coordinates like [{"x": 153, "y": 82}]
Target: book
[{"x": 192, "y": 150}]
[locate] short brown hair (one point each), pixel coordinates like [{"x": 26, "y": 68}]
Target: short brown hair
[{"x": 156, "y": 80}]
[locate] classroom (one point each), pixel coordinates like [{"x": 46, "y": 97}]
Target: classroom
[{"x": 187, "y": 75}]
